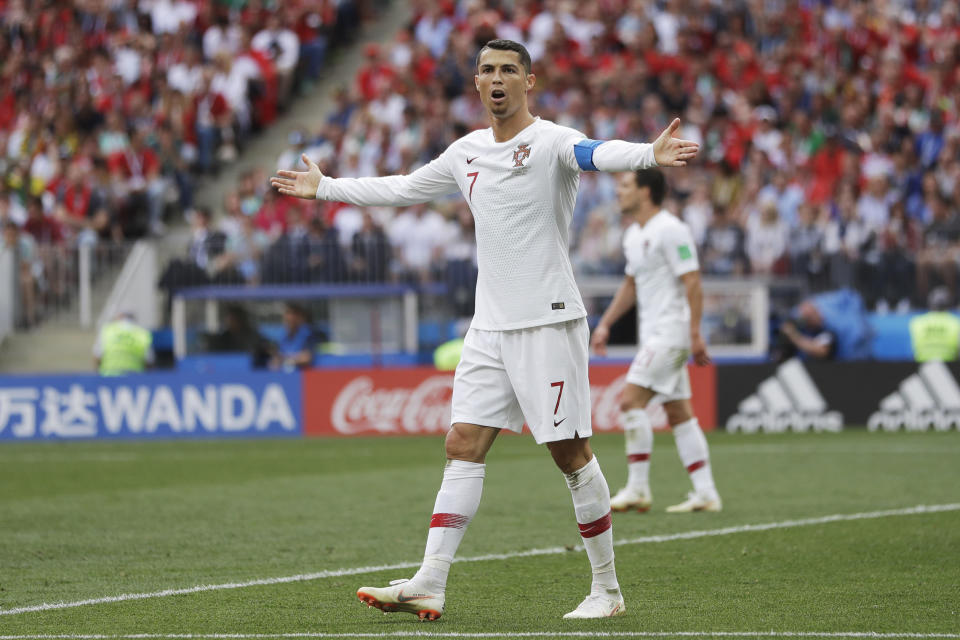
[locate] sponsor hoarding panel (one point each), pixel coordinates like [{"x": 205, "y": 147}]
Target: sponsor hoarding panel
[
  {"x": 417, "y": 401},
  {"x": 152, "y": 405},
  {"x": 801, "y": 396}
]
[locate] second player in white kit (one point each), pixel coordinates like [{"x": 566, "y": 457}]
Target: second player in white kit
[
  {"x": 526, "y": 353},
  {"x": 662, "y": 276}
]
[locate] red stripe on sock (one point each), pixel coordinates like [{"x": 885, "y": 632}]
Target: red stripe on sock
[
  {"x": 638, "y": 457},
  {"x": 699, "y": 464},
  {"x": 449, "y": 520},
  {"x": 596, "y": 527}
]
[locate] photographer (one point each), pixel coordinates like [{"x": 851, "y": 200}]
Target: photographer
[{"x": 805, "y": 334}]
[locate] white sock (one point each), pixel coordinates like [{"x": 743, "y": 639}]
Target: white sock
[
  {"x": 692, "y": 447},
  {"x": 591, "y": 504},
  {"x": 639, "y": 437},
  {"x": 456, "y": 504}
]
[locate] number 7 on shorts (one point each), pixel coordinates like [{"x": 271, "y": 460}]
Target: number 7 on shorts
[{"x": 559, "y": 383}]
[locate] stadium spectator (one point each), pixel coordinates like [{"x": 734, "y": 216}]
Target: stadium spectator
[
  {"x": 326, "y": 261},
  {"x": 940, "y": 250},
  {"x": 370, "y": 252},
  {"x": 724, "y": 246},
  {"x": 238, "y": 333},
  {"x": 766, "y": 240},
  {"x": 282, "y": 47},
  {"x": 417, "y": 234},
  {"x": 245, "y": 246},
  {"x": 29, "y": 268},
  {"x": 201, "y": 264},
  {"x": 288, "y": 258},
  {"x": 460, "y": 256},
  {"x": 805, "y": 247},
  {"x": 44, "y": 229},
  {"x": 296, "y": 348}
]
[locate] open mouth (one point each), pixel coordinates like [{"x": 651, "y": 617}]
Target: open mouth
[{"x": 498, "y": 95}]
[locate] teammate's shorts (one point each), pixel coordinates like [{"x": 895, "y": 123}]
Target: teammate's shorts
[
  {"x": 539, "y": 374},
  {"x": 663, "y": 369}
]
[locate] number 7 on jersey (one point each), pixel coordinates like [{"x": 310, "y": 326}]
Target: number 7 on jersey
[{"x": 472, "y": 174}]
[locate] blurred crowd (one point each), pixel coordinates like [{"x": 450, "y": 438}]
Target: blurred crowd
[
  {"x": 110, "y": 110},
  {"x": 829, "y": 132}
]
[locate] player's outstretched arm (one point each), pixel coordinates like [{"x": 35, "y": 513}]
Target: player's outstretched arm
[
  {"x": 302, "y": 184},
  {"x": 423, "y": 185},
  {"x": 673, "y": 152},
  {"x": 620, "y": 155}
]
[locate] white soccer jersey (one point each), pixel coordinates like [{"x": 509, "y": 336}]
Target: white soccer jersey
[
  {"x": 522, "y": 193},
  {"x": 657, "y": 254}
]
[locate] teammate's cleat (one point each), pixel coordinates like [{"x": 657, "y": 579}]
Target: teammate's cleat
[
  {"x": 401, "y": 596},
  {"x": 630, "y": 498},
  {"x": 696, "y": 502},
  {"x": 598, "y": 605}
]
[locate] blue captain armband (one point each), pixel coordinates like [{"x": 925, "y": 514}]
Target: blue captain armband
[{"x": 583, "y": 151}]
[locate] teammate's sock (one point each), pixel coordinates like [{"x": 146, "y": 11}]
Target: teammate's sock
[
  {"x": 591, "y": 504},
  {"x": 456, "y": 504},
  {"x": 639, "y": 437},
  {"x": 692, "y": 447}
]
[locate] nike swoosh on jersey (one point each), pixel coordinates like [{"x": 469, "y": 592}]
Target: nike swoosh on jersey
[
  {"x": 557, "y": 424},
  {"x": 469, "y": 160}
]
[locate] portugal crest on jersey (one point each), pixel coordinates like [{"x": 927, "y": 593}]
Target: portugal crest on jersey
[{"x": 522, "y": 153}]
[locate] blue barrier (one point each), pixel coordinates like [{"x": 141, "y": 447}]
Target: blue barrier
[
  {"x": 151, "y": 405},
  {"x": 891, "y": 336}
]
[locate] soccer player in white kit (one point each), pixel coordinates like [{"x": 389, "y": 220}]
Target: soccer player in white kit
[
  {"x": 663, "y": 278},
  {"x": 525, "y": 355}
]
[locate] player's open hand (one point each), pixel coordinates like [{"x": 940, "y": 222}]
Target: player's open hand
[
  {"x": 673, "y": 152},
  {"x": 698, "y": 348},
  {"x": 598, "y": 341},
  {"x": 302, "y": 184}
]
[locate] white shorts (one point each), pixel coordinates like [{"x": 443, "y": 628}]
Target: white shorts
[
  {"x": 540, "y": 374},
  {"x": 662, "y": 369}
]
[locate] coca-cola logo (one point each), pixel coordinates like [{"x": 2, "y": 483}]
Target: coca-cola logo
[
  {"x": 605, "y": 400},
  {"x": 361, "y": 407}
]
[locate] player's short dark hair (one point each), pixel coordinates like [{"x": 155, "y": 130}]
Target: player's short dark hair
[
  {"x": 652, "y": 179},
  {"x": 508, "y": 45}
]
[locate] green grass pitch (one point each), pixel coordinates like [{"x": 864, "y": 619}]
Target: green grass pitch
[{"x": 88, "y": 520}]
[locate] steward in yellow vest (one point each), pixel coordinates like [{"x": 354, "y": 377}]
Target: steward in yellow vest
[
  {"x": 935, "y": 335},
  {"x": 123, "y": 347}
]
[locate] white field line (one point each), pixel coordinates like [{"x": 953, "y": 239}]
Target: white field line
[
  {"x": 353, "y": 571},
  {"x": 516, "y": 634}
]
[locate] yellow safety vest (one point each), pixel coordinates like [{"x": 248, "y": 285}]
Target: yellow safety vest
[
  {"x": 446, "y": 357},
  {"x": 935, "y": 336},
  {"x": 124, "y": 348}
]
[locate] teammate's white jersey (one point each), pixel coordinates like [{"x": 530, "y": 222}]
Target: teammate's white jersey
[
  {"x": 657, "y": 254},
  {"x": 522, "y": 193}
]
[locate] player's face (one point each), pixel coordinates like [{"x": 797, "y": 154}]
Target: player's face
[
  {"x": 502, "y": 82},
  {"x": 629, "y": 195}
]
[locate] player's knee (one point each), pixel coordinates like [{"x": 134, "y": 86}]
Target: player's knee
[
  {"x": 460, "y": 447},
  {"x": 678, "y": 413},
  {"x": 570, "y": 455},
  {"x": 629, "y": 404}
]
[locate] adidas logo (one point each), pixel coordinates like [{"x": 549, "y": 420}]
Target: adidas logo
[
  {"x": 928, "y": 398},
  {"x": 787, "y": 400}
]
